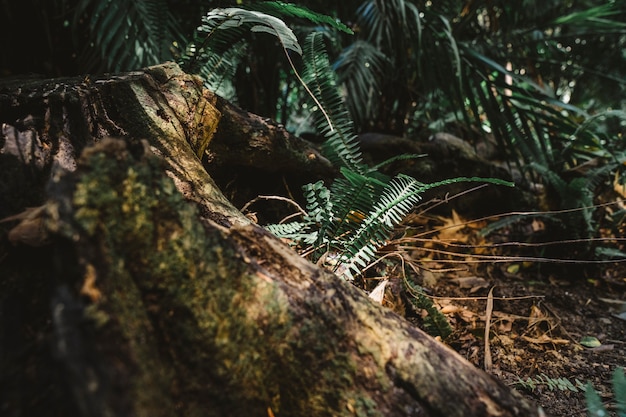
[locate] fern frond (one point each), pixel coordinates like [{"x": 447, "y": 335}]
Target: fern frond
[
  {"x": 435, "y": 322},
  {"x": 219, "y": 70},
  {"x": 595, "y": 406},
  {"x": 341, "y": 146},
  {"x": 401, "y": 157},
  {"x": 318, "y": 203},
  {"x": 399, "y": 197},
  {"x": 296, "y": 232},
  {"x": 353, "y": 195},
  {"x": 619, "y": 388}
]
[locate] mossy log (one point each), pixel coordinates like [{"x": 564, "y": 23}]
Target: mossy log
[{"x": 134, "y": 288}]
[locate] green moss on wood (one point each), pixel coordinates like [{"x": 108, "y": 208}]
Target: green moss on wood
[{"x": 203, "y": 327}]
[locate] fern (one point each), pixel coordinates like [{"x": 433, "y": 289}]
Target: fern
[
  {"x": 354, "y": 217},
  {"x": 559, "y": 384},
  {"x": 219, "y": 70},
  {"x": 435, "y": 322},
  {"x": 399, "y": 197},
  {"x": 341, "y": 146},
  {"x": 295, "y": 232},
  {"x": 595, "y": 407}
]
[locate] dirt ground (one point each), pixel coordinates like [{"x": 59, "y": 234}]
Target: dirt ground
[{"x": 553, "y": 327}]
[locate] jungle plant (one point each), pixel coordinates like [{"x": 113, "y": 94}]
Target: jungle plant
[
  {"x": 595, "y": 407},
  {"x": 350, "y": 220},
  {"x": 522, "y": 76},
  {"x": 543, "y": 380},
  {"x": 347, "y": 222}
]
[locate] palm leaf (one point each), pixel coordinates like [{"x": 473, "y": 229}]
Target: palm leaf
[
  {"x": 362, "y": 69},
  {"x": 217, "y": 45},
  {"x": 127, "y": 34},
  {"x": 282, "y": 10}
]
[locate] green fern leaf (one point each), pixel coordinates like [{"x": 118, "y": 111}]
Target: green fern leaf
[
  {"x": 333, "y": 120},
  {"x": 296, "y": 232},
  {"x": 619, "y": 389},
  {"x": 398, "y": 198}
]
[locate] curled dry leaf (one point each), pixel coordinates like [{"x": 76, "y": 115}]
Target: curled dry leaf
[{"x": 30, "y": 230}]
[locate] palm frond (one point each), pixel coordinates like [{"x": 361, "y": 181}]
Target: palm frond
[
  {"x": 362, "y": 69},
  {"x": 283, "y": 10},
  {"x": 126, "y": 34},
  {"x": 594, "y": 17}
]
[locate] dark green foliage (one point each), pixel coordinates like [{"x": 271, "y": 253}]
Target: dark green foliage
[
  {"x": 531, "y": 77},
  {"x": 560, "y": 384},
  {"x": 341, "y": 145},
  {"x": 127, "y": 34},
  {"x": 595, "y": 407},
  {"x": 535, "y": 77},
  {"x": 349, "y": 221},
  {"x": 220, "y": 43},
  {"x": 284, "y": 10},
  {"x": 435, "y": 322}
]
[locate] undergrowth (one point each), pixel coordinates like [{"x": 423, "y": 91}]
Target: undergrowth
[{"x": 595, "y": 406}]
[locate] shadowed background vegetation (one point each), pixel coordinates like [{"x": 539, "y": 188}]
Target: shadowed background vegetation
[{"x": 541, "y": 81}]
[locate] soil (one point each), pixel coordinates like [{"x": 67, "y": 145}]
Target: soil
[{"x": 553, "y": 327}]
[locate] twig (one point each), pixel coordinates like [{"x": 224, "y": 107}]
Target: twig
[{"x": 488, "y": 312}]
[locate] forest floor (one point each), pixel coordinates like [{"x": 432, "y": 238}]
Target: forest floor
[
  {"x": 556, "y": 316},
  {"x": 553, "y": 327}
]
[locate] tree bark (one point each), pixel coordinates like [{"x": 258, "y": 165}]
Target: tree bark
[{"x": 136, "y": 289}]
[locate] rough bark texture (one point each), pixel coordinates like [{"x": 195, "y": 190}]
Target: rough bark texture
[{"x": 136, "y": 289}]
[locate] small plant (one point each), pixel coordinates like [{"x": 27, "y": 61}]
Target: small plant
[
  {"x": 560, "y": 384},
  {"x": 435, "y": 323},
  {"x": 347, "y": 222},
  {"x": 595, "y": 407}
]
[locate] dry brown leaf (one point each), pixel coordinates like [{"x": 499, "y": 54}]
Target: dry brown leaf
[
  {"x": 505, "y": 326},
  {"x": 30, "y": 231},
  {"x": 536, "y": 316},
  {"x": 452, "y": 227},
  {"x": 545, "y": 339},
  {"x": 467, "y": 316},
  {"x": 537, "y": 225},
  {"x": 451, "y": 309},
  {"x": 618, "y": 187},
  {"x": 488, "y": 311},
  {"x": 89, "y": 289}
]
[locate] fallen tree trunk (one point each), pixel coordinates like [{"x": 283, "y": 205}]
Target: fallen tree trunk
[{"x": 153, "y": 296}]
